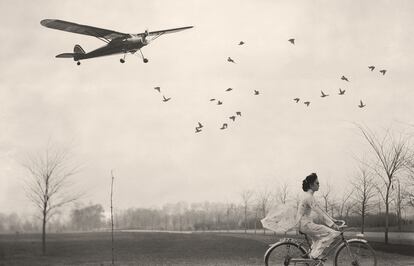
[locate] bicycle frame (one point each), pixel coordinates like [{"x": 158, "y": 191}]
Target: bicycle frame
[
  {"x": 304, "y": 258},
  {"x": 300, "y": 245},
  {"x": 327, "y": 252},
  {"x": 286, "y": 240}
]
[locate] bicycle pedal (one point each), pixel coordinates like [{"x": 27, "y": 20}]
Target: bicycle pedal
[{"x": 317, "y": 263}]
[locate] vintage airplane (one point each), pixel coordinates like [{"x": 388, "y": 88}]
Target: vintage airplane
[{"x": 117, "y": 42}]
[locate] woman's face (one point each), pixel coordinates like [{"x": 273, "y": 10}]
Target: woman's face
[{"x": 315, "y": 185}]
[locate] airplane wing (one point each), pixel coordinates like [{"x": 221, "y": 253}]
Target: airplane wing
[
  {"x": 160, "y": 32},
  {"x": 104, "y": 34}
]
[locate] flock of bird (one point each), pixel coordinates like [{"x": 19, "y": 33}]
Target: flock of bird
[
  {"x": 232, "y": 117},
  {"x": 225, "y": 125},
  {"x": 341, "y": 92},
  {"x": 199, "y": 127},
  {"x": 219, "y": 102},
  {"x": 164, "y": 99}
]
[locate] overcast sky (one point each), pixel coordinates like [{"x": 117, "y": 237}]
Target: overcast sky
[{"x": 112, "y": 118}]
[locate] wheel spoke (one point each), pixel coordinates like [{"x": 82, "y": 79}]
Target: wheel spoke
[
  {"x": 356, "y": 254},
  {"x": 282, "y": 254}
]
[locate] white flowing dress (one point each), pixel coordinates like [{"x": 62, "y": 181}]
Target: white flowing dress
[
  {"x": 322, "y": 236},
  {"x": 287, "y": 217}
]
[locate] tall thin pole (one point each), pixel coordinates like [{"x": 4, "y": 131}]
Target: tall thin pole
[{"x": 112, "y": 218}]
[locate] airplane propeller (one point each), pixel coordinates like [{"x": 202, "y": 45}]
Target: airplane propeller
[{"x": 144, "y": 37}]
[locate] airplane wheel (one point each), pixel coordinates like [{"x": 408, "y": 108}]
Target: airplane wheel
[
  {"x": 145, "y": 60},
  {"x": 78, "y": 63},
  {"x": 122, "y": 60}
]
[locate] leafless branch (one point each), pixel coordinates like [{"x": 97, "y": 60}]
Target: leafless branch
[{"x": 48, "y": 184}]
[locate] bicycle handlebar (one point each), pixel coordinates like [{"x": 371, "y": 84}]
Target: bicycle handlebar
[{"x": 342, "y": 223}]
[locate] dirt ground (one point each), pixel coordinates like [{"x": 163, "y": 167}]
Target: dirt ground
[{"x": 150, "y": 248}]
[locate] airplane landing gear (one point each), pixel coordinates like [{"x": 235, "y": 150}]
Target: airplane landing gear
[
  {"x": 78, "y": 63},
  {"x": 143, "y": 57},
  {"x": 122, "y": 60}
]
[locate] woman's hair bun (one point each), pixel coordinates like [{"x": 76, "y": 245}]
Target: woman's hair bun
[{"x": 306, "y": 183}]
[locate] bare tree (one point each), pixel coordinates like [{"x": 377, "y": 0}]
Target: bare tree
[
  {"x": 256, "y": 215},
  {"x": 282, "y": 193},
  {"x": 112, "y": 218},
  {"x": 402, "y": 200},
  {"x": 230, "y": 207},
  {"x": 325, "y": 194},
  {"x": 392, "y": 156},
  {"x": 343, "y": 205},
  {"x": 410, "y": 195},
  {"x": 410, "y": 183},
  {"x": 379, "y": 201},
  {"x": 364, "y": 189},
  {"x": 246, "y": 196},
  {"x": 48, "y": 185},
  {"x": 348, "y": 209}
]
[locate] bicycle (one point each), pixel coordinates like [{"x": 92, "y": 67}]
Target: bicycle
[{"x": 353, "y": 252}]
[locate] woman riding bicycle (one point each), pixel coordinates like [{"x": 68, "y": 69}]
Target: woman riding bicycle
[
  {"x": 285, "y": 217},
  {"x": 322, "y": 236},
  {"x": 288, "y": 251}
]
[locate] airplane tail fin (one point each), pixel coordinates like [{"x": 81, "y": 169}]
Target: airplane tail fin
[
  {"x": 78, "y": 49},
  {"x": 77, "y": 53}
]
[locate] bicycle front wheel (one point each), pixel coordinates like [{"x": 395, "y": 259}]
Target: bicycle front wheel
[
  {"x": 356, "y": 253},
  {"x": 280, "y": 254}
]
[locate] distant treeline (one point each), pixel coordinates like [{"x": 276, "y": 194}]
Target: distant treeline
[{"x": 180, "y": 217}]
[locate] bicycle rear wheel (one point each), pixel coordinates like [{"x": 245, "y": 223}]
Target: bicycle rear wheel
[
  {"x": 358, "y": 253},
  {"x": 280, "y": 254}
]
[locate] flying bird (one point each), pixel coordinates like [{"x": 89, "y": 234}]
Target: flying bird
[
  {"x": 229, "y": 89},
  {"x": 361, "y": 104},
  {"x": 296, "y": 100},
  {"x": 158, "y": 89},
  {"x": 200, "y": 125},
  {"x": 224, "y": 126},
  {"x": 230, "y": 60},
  {"x": 383, "y": 71},
  {"x": 292, "y": 41},
  {"x": 238, "y": 113},
  {"x": 232, "y": 117},
  {"x": 219, "y": 102},
  {"x": 371, "y": 68},
  {"x": 341, "y": 92},
  {"x": 344, "y": 78},
  {"x": 307, "y": 103},
  {"x": 256, "y": 92},
  {"x": 324, "y": 95},
  {"x": 241, "y": 43},
  {"x": 212, "y": 100},
  {"x": 166, "y": 99},
  {"x": 197, "y": 129}
]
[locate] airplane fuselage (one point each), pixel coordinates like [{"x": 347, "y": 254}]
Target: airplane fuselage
[{"x": 116, "y": 46}]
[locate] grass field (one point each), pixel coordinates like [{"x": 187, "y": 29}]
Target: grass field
[{"x": 151, "y": 249}]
